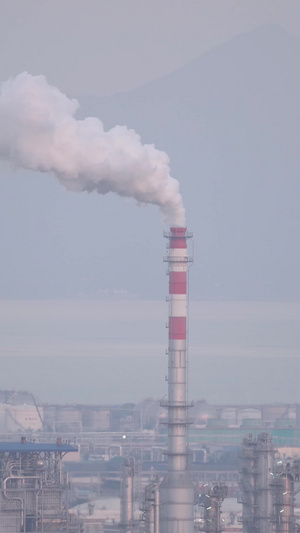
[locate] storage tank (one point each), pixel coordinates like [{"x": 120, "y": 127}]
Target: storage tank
[
  {"x": 65, "y": 414},
  {"x": 96, "y": 419},
  {"x": 271, "y": 412},
  {"x": 252, "y": 423},
  {"x": 230, "y": 414},
  {"x": 23, "y": 417},
  {"x": 216, "y": 423},
  {"x": 285, "y": 423},
  {"x": 68, "y": 419},
  {"x": 50, "y": 417},
  {"x": 201, "y": 412},
  {"x": 3, "y": 418},
  {"x": 251, "y": 413}
]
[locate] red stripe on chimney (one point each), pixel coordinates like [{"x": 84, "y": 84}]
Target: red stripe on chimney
[
  {"x": 177, "y": 327},
  {"x": 178, "y": 239},
  {"x": 177, "y": 283}
]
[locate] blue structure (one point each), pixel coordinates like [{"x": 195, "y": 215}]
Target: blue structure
[{"x": 33, "y": 488}]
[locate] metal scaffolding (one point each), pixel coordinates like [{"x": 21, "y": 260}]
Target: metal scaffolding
[
  {"x": 268, "y": 493},
  {"x": 32, "y": 489},
  {"x": 211, "y": 498}
]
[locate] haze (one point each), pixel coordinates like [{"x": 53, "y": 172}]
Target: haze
[{"x": 214, "y": 84}]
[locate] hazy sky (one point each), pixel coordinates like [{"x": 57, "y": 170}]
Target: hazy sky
[
  {"x": 103, "y": 46},
  {"x": 97, "y": 47},
  {"x": 91, "y": 47},
  {"x": 239, "y": 352}
]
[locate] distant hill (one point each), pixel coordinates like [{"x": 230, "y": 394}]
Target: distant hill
[{"x": 230, "y": 124}]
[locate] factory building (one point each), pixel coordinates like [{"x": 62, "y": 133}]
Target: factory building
[{"x": 33, "y": 489}]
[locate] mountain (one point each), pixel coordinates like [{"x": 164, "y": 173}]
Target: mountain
[{"x": 230, "y": 124}]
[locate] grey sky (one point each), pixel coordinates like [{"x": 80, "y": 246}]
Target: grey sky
[
  {"x": 98, "y": 46},
  {"x": 62, "y": 241},
  {"x": 224, "y": 134},
  {"x": 228, "y": 343}
]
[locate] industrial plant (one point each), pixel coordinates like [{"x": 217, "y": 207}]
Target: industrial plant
[
  {"x": 267, "y": 487},
  {"x": 237, "y": 469},
  {"x": 33, "y": 488}
]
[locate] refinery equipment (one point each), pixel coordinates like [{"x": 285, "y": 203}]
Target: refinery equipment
[
  {"x": 150, "y": 507},
  {"x": 176, "y": 513},
  {"x": 257, "y": 475},
  {"x": 284, "y": 496},
  {"x": 126, "y": 500},
  {"x": 268, "y": 488},
  {"x": 210, "y": 500},
  {"x": 32, "y": 489},
  {"x": 284, "y": 503}
]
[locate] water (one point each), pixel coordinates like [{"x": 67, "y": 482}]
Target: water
[{"x": 114, "y": 351}]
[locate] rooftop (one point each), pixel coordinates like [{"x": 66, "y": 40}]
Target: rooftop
[{"x": 22, "y": 447}]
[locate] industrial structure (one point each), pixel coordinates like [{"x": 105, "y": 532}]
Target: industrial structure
[
  {"x": 22, "y": 413},
  {"x": 169, "y": 505},
  {"x": 268, "y": 492},
  {"x": 211, "y": 498},
  {"x": 127, "y": 496},
  {"x": 176, "y": 514},
  {"x": 32, "y": 489},
  {"x": 176, "y": 498},
  {"x": 257, "y": 474},
  {"x": 150, "y": 506}
]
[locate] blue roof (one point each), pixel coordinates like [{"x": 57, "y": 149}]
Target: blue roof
[{"x": 36, "y": 447}]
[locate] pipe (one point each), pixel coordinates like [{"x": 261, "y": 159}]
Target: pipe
[
  {"x": 126, "y": 502},
  {"x": 284, "y": 503},
  {"x": 156, "y": 510},
  {"x": 15, "y": 490}
]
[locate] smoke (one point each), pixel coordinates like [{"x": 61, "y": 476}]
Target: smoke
[{"x": 38, "y": 131}]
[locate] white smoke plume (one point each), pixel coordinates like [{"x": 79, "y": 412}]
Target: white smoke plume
[{"x": 38, "y": 131}]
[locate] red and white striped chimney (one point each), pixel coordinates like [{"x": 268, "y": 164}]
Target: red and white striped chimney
[{"x": 176, "y": 489}]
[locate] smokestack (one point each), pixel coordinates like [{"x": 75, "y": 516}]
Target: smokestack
[{"x": 176, "y": 489}]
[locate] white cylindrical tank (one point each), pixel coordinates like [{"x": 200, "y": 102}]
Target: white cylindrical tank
[
  {"x": 244, "y": 414},
  {"x": 26, "y": 417}
]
